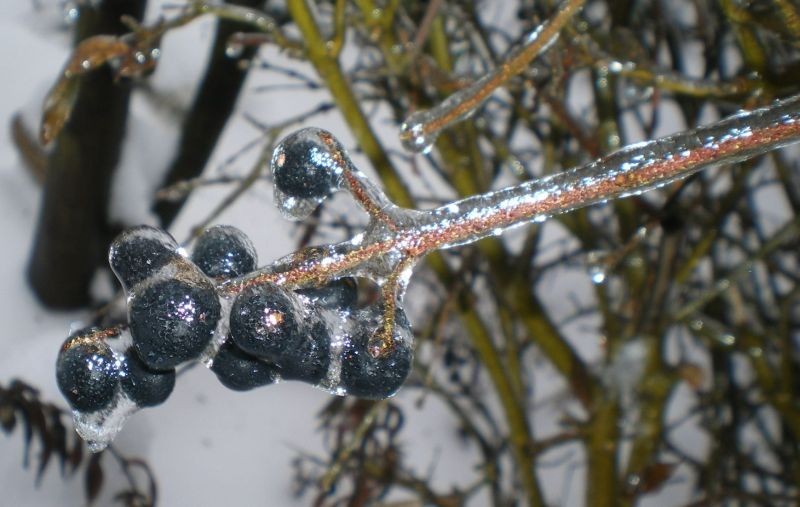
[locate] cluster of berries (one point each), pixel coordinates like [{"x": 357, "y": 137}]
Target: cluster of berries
[
  {"x": 212, "y": 306},
  {"x": 175, "y": 314}
]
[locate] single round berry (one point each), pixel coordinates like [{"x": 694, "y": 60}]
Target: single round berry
[
  {"x": 307, "y": 360},
  {"x": 139, "y": 252},
  {"x": 240, "y": 371},
  {"x": 88, "y": 375},
  {"x": 307, "y": 164},
  {"x": 379, "y": 377},
  {"x": 172, "y": 321},
  {"x": 224, "y": 252},
  {"x": 339, "y": 294},
  {"x": 145, "y": 386},
  {"x": 264, "y": 322}
]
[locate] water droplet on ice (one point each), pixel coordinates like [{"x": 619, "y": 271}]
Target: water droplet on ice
[
  {"x": 597, "y": 274},
  {"x": 295, "y": 208},
  {"x": 234, "y": 49},
  {"x": 615, "y": 66},
  {"x": 71, "y": 13},
  {"x": 597, "y": 266},
  {"x": 99, "y": 428},
  {"x": 413, "y": 136}
]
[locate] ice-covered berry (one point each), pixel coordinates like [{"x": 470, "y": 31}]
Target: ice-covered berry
[
  {"x": 224, "y": 252},
  {"x": 266, "y": 322},
  {"x": 366, "y": 376},
  {"x": 240, "y": 371},
  {"x": 172, "y": 321},
  {"x": 139, "y": 252},
  {"x": 145, "y": 386},
  {"x": 306, "y": 164},
  {"x": 87, "y": 374},
  {"x": 307, "y": 360},
  {"x": 339, "y": 294}
]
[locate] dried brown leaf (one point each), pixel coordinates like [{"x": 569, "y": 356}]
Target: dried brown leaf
[{"x": 94, "y": 478}]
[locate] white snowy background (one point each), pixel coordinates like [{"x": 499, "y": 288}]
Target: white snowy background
[{"x": 208, "y": 445}]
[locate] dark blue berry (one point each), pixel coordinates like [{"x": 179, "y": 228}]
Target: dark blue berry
[
  {"x": 308, "y": 359},
  {"x": 88, "y": 375},
  {"x": 173, "y": 321},
  {"x": 265, "y": 323},
  {"x": 224, "y": 252},
  {"x": 304, "y": 166},
  {"x": 369, "y": 377},
  {"x": 340, "y": 294},
  {"x": 139, "y": 252},
  {"x": 145, "y": 386},
  {"x": 240, "y": 371}
]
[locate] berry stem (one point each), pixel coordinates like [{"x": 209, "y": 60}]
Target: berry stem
[
  {"x": 629, "y": 171},
  {"x": 330, "y": 71},
  {"x": 392, "y": 292}
]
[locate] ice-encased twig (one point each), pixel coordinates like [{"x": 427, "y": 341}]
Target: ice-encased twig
[
  {"x": 421, "y": 128},
  {"x": 393, "y": 242},
  {"x": 629, "y": 171}
]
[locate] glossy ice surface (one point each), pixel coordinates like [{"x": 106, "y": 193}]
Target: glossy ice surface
[
  {"x": 294, "y": 319},
  {"x": 223, "y": 252}
]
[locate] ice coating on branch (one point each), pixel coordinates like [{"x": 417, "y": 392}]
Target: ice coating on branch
[
  {"x": 421, "y": 128},
  {"x": 629, "y": 171},
  {"x": 177, "y": 313}
]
